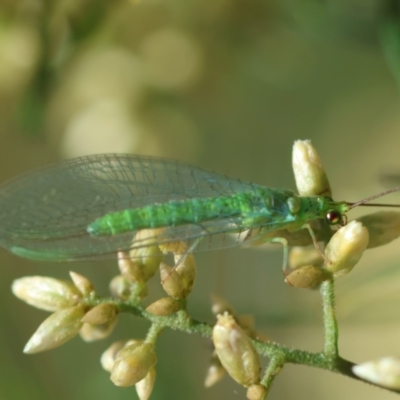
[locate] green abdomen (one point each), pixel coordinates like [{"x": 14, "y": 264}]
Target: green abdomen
[{"x": 172, "y": 213}]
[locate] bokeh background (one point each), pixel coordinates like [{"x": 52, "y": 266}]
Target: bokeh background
[{"x": 227, "y": 85}]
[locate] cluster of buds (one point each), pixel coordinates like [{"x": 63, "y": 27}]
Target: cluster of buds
[
  {"x": 142, "y": 263},
  {"x": 137, "y": 268},
  {"x": 305, "y": 268},
  {"x": 310, "y": 267},
  {"x": 177, "y": 281},
  {"x": 71, "y": 315},
  {"x": 132, "y": 362},
  {"x": 234, "y": 351},
  {"x": 129, "y": 362}
]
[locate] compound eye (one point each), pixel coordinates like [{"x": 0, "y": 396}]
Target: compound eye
[{"x": 333, "y": 217}]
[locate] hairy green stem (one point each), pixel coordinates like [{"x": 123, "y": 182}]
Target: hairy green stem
[
  {"x": 153, "y": 333},
  {"x": 330, "y": 324},
  {"x": 274, "y": 368},
  {"x": 328, "y": 360}
]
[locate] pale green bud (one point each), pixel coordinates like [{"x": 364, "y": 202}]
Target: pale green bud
[
  {"x": 57, "y": 329},
  {"x": 100, "y": 314},
  {"x": 383, "y": 227},
  {"x": 306, "y": 277},
  {"x": 310, "y": 176},
  {"x": 186, "y": 268},
  {"x": 46, "y": 293},
  {"x": 91, "y": 333},
  {"x": 176, "y": 248},
  {"x": 120, "y": 287},
  {"x": 215, "y": 371},
  {"x": 257, "y": 392},
  {"x": 301, "y": 256},
  {"x": 187, "y": 271},
  {"x": 236, "y": 351},
  {"x": 82, "y": 283},
  {"x": 171, "y": 281},
  {"x": 133, "y": 364},
  {"x": 384, "y": 372},
  {"x": 130, "y": 269},
  {"x": 108, "y": 358},
  {"x": 145, "y": 386},
  {"x": 345, "y": 248},
  {"x": 164, "y": 307},
  {"x": 149, "y": 257}
]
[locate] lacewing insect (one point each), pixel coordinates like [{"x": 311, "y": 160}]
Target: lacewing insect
[{"x": 92, "y": 208}]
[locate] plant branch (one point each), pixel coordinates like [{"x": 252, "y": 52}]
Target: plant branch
[
  {"x": 181, "y": 321},
  {"x": 330, "y": 324}
]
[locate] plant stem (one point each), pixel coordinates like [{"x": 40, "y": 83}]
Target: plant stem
[
  {"x": 274, "y": 368},
  {"x": 330, "y": 323},
  {"x": 328, "y": 360}
]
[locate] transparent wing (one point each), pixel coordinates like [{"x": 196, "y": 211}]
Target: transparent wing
[{"x": 44, "y": 214}]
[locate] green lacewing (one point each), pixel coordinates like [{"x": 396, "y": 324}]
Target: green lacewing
[{"x": 91, "y": 208}]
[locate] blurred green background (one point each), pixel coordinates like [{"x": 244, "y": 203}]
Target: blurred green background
[{"x": 227, "y": 85}]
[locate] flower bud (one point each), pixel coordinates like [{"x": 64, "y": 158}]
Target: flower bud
[
  {"x": 100, "y": 314},
  {"x": 133, "y": 364},
  {"x": 383, "y": 227},
  {"x": 130, "y": 269},
  {"x": 120, "y": 287},
  {"x": 149, "y": 257},
  {"x": 215, "y": 371},
  {"x": 164, "y": 307},
  {"x": 310, "y": 176},
  {"x": 384, "y": 372},
  {"x": 306, "y": 277},
  {"x": 186, "y": 268},
  {"x": 256, "y": 392},
  {"x": 46, "y": 293},
  {"x": 145, "y": 386},
  {"x": 176, "y": 248},
  {"x": 108, "y": 358},
  {"x": 57, "y": 329},
  {"x": 300, "y": 256},
  {"x": 91, "y": 333},
  {"x": 345, "y": 248},
  {"x": 82, "y": 283},
  {"x": 236, "y": 351},
  {"x": 171, "y": 281}
]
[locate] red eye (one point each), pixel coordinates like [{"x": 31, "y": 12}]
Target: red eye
[{"x": 333, "y": 217}]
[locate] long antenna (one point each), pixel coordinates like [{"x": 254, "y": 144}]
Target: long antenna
[{"x": 375, "y": 196}]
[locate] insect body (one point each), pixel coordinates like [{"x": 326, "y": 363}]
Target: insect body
[
  {"x": 91, "y": 207},
  {"x": 272, "y": 208}
]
